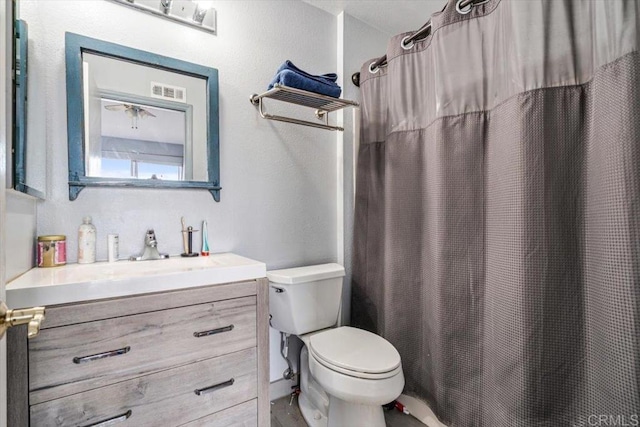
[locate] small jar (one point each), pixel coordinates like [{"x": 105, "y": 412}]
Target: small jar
[{"x": 52, "y": 251}]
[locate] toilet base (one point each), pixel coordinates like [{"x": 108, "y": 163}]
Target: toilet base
[
  {"x": 320, "y": 408},
  {"x": 343, "y": 413},
  {"x": 312, "y": 416},
  {"x": 312, "y": 400},
  {"x": 316, "y": 405}
]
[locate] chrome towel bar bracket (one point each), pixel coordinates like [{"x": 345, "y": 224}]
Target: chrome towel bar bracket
[{"x": 321, "y": 103}]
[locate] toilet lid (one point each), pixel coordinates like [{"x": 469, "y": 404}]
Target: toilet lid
[{"x": 355, "y": 350}]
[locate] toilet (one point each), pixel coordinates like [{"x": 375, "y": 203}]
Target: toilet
[{"x": 346, "y": 373}]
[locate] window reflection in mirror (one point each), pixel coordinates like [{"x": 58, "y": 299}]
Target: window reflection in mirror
[
  {"x": 138, "y": 141},
  {"x": 143, "y": 122}
]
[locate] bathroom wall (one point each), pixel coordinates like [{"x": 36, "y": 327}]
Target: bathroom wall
[
  {"x": 278, "y": 198},
  {"x": 20, "y": 234},
  {"x": 283, "y": 185}
]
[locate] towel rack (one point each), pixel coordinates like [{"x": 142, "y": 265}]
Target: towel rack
[{"x": 322, "y": 104}]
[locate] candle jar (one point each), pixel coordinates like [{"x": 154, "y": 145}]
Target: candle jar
[{"x": 52, "y": 251}]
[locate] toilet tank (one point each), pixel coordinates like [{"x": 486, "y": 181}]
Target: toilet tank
[{"x": 305, "y": 299}]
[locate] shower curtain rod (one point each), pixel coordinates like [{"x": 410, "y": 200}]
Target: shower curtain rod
[{"x": 462, "y": 7}]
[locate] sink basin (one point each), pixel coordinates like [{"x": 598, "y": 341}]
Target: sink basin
[{"x": 83, "y": 282}]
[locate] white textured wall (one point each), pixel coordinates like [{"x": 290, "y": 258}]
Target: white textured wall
[
  {"x": 20, "y": 234},
  {"x": 279, "y": 180},
  {"x": 278, "y": 194}
]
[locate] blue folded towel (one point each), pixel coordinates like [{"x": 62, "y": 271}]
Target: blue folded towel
[
  {"x": 291, "y": 79},
  {"x": 288, "y": 65},
  {"x": 290, "y": 75}
]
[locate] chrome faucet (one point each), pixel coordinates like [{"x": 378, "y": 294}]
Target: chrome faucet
[{"x": 150, "y": 249}]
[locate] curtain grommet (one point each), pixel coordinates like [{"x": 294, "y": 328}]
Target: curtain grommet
[
  {"x": 465, "y": 10},
  {"x": 469, "y": 6},
  {"x": 373, "y": 70},
  {"x": 405, "y": 45}
]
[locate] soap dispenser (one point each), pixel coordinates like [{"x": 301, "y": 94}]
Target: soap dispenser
[{"x": 86, "y": 242}]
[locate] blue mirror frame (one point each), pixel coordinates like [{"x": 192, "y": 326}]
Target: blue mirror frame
[{"x": 75, "y": 45}]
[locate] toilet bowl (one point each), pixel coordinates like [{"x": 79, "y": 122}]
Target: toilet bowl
[
  {"x": 346, "y": 373},
  {"x": 358, "y": 370}
]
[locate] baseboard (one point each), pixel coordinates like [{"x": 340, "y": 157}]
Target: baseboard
[
  {"x": 420, "y": 410},
  {"x": 281, "y": 388}
]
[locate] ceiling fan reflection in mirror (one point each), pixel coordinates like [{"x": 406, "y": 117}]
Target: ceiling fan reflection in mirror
[{"x": 131, "y": 110}]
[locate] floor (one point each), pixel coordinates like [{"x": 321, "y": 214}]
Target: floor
[{"x": 285, "y": 415}]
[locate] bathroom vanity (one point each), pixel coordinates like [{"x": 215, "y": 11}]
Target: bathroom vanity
[{"x": 178, "y": 342}]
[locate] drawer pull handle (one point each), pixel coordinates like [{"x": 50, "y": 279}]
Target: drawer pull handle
[
  {"x": 207, "y": 390},
  {"x": 110, "y": 421},
  {"x": 93, "y": 357},
  {"x": 213, "y": 331}
]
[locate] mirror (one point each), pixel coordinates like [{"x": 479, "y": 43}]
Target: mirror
[
  {"x": 28, "y": 165},
  {"x": 27, "y": 169},
  {"x": 151, "y": 124},
  {"x": 136, "y": 119}
]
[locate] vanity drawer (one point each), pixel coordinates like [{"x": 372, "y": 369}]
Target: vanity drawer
[
  {"x": 168, "y": 398},
  {"x": 242, "y": 415},
  {"x": 75, "y": 358}
]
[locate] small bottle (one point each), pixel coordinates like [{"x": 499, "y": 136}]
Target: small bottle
[
  {"x": 113, "y": 250},
  {"x": 86, "y": 242}
]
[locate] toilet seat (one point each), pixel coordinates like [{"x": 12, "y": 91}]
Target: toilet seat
[
  {"x": 355, "y": 352},
  {"x": 356, "y": 374}
]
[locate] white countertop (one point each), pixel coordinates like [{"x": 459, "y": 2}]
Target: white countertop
[{"x": 84, "y": 282}]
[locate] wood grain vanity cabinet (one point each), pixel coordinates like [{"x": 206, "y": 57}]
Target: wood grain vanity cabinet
[{"x": 191, "y": 357}]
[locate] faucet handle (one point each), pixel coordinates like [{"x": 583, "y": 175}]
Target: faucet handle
[
  {"x": 150, "y": 238},
  {"x": 150, "y": 250}
]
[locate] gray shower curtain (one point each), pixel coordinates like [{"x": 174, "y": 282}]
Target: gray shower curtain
[{"x": 497, "y": 217}]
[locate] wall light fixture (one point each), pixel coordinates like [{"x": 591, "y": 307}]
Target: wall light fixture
[{"x": 194, "y": 13}]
